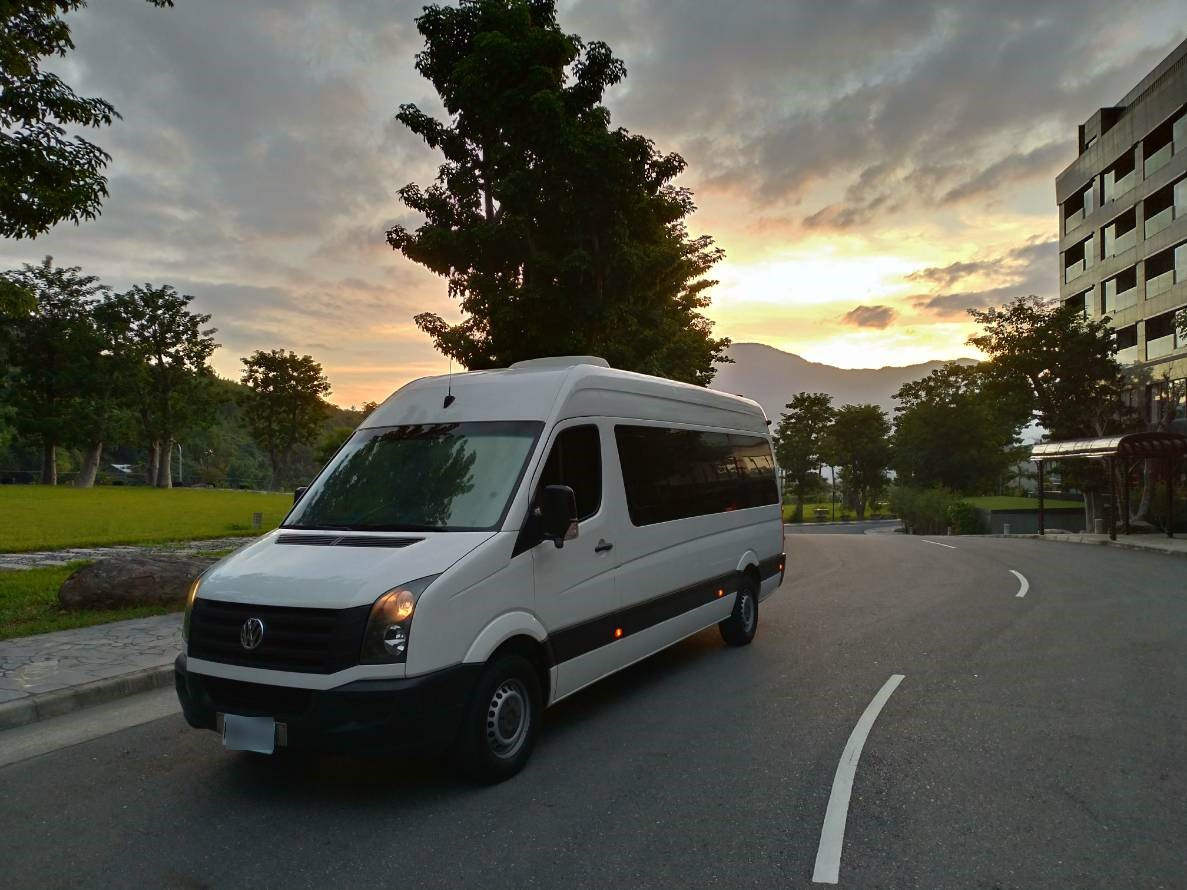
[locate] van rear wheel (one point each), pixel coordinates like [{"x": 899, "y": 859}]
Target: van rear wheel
[
  {"x": 739, "y": 629},
  {"x": 501, "y": 722}
]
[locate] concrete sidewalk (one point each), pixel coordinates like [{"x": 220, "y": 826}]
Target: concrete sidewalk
[
  {"x": 1149, "y": 543},
  {"x": 56, "y": 673}
]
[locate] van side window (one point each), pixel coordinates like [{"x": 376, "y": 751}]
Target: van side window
[
  {"x": 677, "y": 473},
  {"x": 576, "y": 461}
]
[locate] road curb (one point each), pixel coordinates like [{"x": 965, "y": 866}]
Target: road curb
[
  {"x": 64, "y": 701},
  {"x": 1081, "y": 539}
]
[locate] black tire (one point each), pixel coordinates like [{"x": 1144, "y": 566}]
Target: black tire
[
  {"x": 739, "y": 629},
  {"x": 501, "y": 722}
]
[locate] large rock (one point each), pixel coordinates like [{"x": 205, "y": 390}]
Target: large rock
[{"x": 120, "y": 582}]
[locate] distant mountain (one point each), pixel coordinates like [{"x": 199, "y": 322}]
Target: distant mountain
[{"x": 772, "y": 377}]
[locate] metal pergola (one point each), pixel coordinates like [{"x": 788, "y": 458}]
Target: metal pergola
[{"x": 1167, "y": 447}]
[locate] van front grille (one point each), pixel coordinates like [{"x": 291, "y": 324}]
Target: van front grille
[
  {"x": 256, "y": 699},
  {"x": 312, "y": 641}
]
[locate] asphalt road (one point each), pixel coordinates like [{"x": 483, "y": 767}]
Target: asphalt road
[
  {"x": 1033, "y": 742},
  {"x": 843, "y": 528}
]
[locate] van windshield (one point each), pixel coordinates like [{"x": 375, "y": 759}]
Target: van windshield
[{"x": 422, "y": 477}]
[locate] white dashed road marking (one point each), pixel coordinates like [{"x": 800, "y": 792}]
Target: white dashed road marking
[
  {"x": 937, "y": 543},
  {"x": 832, "y": 833}
]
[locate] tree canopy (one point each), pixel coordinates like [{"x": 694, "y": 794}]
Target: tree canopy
[
  {"x": 799, "y": 444},
  {"x": 858, "y": 441},
  {"x": 45, "y": 177},
  {"x": 556, "y": 233},
  {"x": 955, "y": 428},
  {"x": 284, "y": 407},
  {"x": 1058, "y": 362}
]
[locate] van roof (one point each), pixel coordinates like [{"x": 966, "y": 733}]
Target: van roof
[{"x": 561, "y": 387}]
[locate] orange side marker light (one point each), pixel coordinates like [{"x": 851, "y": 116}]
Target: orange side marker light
[{"x": 617, "y": 633}]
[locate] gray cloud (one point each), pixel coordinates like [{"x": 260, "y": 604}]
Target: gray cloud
[
  {"x": 870, "y": 316},
  {"x": 1029, "y": 269}
]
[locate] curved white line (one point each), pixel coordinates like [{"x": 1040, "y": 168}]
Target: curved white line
[
  {"x": 1025, "y": 584},
  {"x": 937, "y": 543},
  {"x": 832, "y": 833}
]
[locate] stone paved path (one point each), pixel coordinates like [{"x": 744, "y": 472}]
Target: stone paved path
[
  {"x": 41, "y": 558},
  {"x": 68, "y": 658}
]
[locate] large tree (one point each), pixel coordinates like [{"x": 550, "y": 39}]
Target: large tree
[
  {"x": 284, "y": 405},
  {"x": 799, "y": 444},
  {"x": 956, "y": 429},
  {"x": 556, "y": 234},
  {"x": 51, "y": 349},
  {"x": 1059, "y": 362},
  {"x": 45, "y": 176},
  {"x": 859, "y": 443},
  {"x": 174, "y": 378}
]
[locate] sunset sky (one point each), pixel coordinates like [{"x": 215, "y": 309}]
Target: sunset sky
[{"x": 872, "y": 169}]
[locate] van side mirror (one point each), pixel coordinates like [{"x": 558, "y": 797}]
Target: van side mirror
[
  {"x": 557, "y": 512},
  {"x": 300, "y": 493}
]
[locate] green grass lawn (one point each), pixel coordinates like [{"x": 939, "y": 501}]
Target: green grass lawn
[
  {"x": 995, "y": 502},
  {"x": 29, "y": 604},
  {"x": 842, "y": 514},
  {"x": 35, "y": 517}
]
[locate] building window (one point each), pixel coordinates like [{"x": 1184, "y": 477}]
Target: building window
[
  {"x": 1161, "y": 144},
  {"x": 1120, "y": 177},
  {"x": 1121, "y": 291},
  {"x": 1163, "y": 207},
  {"x": 1081, "y": 302},
  {"x": 1160, "y": 335},
  {"x": 1127, "y": 344},
  {"x": 1121, "y": 234},
  {"x": 1077, "y": 258},
  {"x": 1165, "y": 268},
  {"x": 1077, "y": 207}
]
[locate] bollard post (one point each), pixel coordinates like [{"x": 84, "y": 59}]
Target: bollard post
[
  {"x": 257, "y": 520},
  {"x": 1005, "y": 528},
  {"x": 1098, "y": 525}
]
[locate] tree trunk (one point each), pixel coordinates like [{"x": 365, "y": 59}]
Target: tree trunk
[
  {"x": 798, "y": 516},
  {"x": 861, "y": 506},
  {"x": 49, "y": 464},
  {"x": 1147, "y": 492},
  {"x": 90, "y": 466},
  {"x": 165, "y": 465},
  {"x": 154, "y": 457}
]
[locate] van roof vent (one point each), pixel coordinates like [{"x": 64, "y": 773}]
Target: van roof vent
[
  {"x": 346, "y": 540},
  {"x": 562, "y": 361}
]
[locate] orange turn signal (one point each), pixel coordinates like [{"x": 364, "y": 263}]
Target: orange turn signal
[{"x": 617, "y": 632}]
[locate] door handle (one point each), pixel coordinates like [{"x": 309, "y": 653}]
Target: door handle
[{"x": 604, "y": 546}]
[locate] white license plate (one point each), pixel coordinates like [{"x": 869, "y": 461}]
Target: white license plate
[{"x": 249, "y": 733}]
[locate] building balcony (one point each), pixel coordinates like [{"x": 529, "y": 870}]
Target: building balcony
[
  {"x": 1114, "y": 303},
  {"x": 1128, "y": 355},
  {"x": 1160, "y": 284},
  {"x": 1115, "y": 246},
  {"x": 1159, "y": 221},
  {"x": 1160, "y": 346},
  {"x": 1075, "y": 270},
  {"x": 1115, "y": 188},
  {"x": 1158, "y": 160},
  {"x": 1073, "y": 222}
]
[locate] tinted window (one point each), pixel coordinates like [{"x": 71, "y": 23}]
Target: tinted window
[
  {"x": 576, "y": 461},
  {"x": 673, "y": 474}
]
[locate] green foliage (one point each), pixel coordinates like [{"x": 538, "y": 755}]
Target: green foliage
[
  {"x": 956, "y": 429},
  {"x": 858, "y": 441},
  {"x": 52, "y": 349},
  {"x": 171, "y": 349},
  {"x": 1058, "y": 363},
  {"x": 557, "y": 234},
  {"x": 34, "y": 517},
  {"x": 284, "y": 407},
  {"x": 329, "y": 442},
  {"x": 45, "y": 177},
  {"x": 799, "y": 443},
  {"x": 965, "y": 519},
  {"x": 923, "y": 510}
]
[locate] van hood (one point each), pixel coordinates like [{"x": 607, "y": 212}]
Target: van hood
[{"x": 321, "y": 572}]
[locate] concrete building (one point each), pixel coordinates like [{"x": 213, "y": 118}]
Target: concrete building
[{"x": 1123, "y": 223}]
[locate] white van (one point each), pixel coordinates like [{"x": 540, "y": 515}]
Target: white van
[{"x": 483, "y": 546}]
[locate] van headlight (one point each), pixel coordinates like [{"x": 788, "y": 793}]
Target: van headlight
[
  {"x": 190, "y": 596},
  {"x": 390, "y": 623}
]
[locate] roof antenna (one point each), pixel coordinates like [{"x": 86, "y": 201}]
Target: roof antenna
[{"x": 450, "y": 398}]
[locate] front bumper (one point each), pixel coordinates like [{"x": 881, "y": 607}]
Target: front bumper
[{"x": 367, "y": 715}]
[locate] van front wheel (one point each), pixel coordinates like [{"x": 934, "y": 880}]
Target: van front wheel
[
  {"x": 739, "y": 629},
  {"x": 500, "y": 726}
]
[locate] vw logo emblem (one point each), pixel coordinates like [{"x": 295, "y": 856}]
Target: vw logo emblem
[{"x": 251, "y": 634}]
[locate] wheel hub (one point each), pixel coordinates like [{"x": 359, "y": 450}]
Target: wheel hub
[{"x": 507, "y": 718}]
